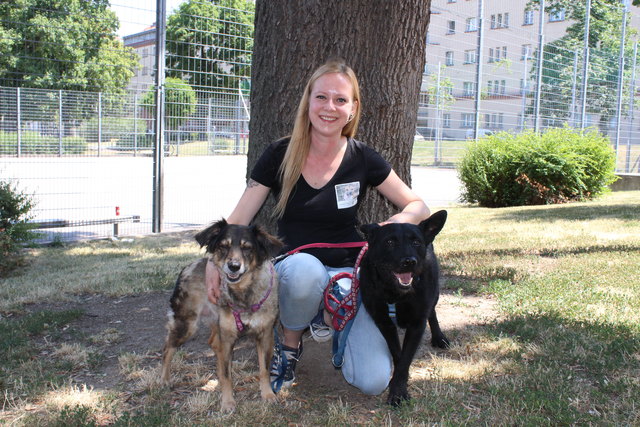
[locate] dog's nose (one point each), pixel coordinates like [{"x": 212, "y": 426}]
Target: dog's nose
[
  {"x": 409, "y": 262},
  {"x": 233, "y": 266}
]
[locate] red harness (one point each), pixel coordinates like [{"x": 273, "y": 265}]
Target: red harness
[{"x": 345, "y": 309}]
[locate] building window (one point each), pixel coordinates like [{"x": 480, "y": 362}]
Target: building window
[
  {"x": 528, "y": 17},
  {"x": 451, "y": 27},
  {"x": 557, "y": 16},
  {"x": 448, "y": 57},
  {"x": 494, "y": 120},
  {"x": 472, "y": 24},
  {"x": 470, "y": 56},
  {"x": 468, "y": 88},
  {"x": 526, "y": 51},
  {"x": 468, "y": 120},
  {"x": 446, "y": 120},
  {"x": 452, "y": 1},
  {"x": 496, "y": 87},
  {"x": 500, "y": 20},
  {"x": 524, "y": 87},
  {"x": 497, "y": 54}
]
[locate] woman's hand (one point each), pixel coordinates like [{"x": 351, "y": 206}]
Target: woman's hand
[
  {"x": 212, "y": 280},
  {"x": 412, "y": 208}
]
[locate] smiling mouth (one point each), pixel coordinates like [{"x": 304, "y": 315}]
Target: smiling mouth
[
  {"x": 233, "y": 277},
  {"x": 404, "y": 279}
]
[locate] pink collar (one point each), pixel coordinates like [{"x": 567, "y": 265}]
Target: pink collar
[{"x": 254, "y": 307}]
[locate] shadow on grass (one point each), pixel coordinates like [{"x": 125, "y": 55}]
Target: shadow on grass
[
  {"x": 545, "y": 252},
  {"x": 572, "y": 213},
  {"x": 538, "y": 369}
]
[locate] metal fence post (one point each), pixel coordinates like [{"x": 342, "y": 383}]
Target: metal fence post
[
  {"x": 99, "y": 123},
  {"x": 623, "y": 35},
  {"x": 574, "y": 83},
  {"x": 135, "y": 124},
  {"x": 60, "y": 132},
  {"x": 437, "y": 148},
  {"x": 538, "y": 94},
  {"x": 480, "y": 47},
  {"x": 18, "y": 124},
  {"x": 158, "y": 152},
  {"x": 632, "y": 93},
  {"x": 585, "y": 67}
]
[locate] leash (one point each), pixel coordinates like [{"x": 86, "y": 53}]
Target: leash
[
  {"x": 319, "y": 246},
  {"x": 254, "y": 307},
  {"x": 344, "y": 309}
]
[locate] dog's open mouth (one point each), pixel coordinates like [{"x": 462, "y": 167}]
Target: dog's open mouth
[
  {"x": 404, "y": 279},
  {"x": 233, "y": 277}
]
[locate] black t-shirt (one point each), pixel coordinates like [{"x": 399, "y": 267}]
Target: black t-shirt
[{"x": 328, "y": 214}]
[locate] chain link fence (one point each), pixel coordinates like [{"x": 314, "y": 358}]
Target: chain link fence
[
  {"x": 87, "y": 156},
  {"x": 480, "y": 80}
]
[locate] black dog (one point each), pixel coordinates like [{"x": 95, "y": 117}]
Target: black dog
[{"x": 401, "y": 268}]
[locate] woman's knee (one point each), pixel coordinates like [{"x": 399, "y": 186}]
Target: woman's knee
[
  {"x": 367, "y": 364},
  {"x": 301, "y": 276}
]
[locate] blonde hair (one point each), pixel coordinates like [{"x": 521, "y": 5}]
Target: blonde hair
[{"x": 300, "y": 139}]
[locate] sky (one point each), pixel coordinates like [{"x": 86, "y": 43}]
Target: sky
[{"x": 136, "y": 15}]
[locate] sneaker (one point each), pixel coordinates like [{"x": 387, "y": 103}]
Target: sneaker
[
  {"x": 320, "y": 332},
  {"x": 283, "y": 366}
]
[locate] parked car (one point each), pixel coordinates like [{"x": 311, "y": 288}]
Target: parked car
[{"x": 481, "y": 132}]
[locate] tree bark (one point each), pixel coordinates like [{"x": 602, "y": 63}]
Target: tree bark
[{"x": 383, "y": 41}]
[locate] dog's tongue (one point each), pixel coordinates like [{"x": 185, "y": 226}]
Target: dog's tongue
[{"x": 404, "y": 278}]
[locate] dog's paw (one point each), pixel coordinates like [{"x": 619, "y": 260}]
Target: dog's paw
[
  {"x": 227, "y": 405},
  {"x": 268, "y": 395},
  {"x": 440, "y": 342},
  {"x": 397, "y": 398}
]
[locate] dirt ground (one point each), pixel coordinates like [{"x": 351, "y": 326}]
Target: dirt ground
[{"x": 140, "y": 325}]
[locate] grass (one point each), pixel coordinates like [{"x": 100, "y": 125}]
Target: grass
[{"x": 563, "y": 348}]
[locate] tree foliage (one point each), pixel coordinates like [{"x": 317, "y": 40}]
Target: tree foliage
[
  {"x": 560, "y": 84},
  {"x": 209, "y": 44},
  {"x": 179, "y": 100},
  {"x": 63, "y": 44}
]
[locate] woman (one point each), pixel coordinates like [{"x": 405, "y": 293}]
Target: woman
[{"x": 319, "y": 176}]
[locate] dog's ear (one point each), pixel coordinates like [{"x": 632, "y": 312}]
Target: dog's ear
[
  {"x": 211, "y": 233},
  {"x": 433, "y": 225},
  {"x": 268, "y": 245},
  {"x": 367, "y": 229}
]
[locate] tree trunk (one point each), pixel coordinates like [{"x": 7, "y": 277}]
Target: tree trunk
[{"x": 383, "y": 41}]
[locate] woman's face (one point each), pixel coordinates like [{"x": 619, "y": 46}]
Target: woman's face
[{"x": 330, "y": 104}]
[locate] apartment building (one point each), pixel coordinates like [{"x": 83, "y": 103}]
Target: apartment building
[
  {"x": 510, "y": 38},
  {"x": 144, "y": 44}
]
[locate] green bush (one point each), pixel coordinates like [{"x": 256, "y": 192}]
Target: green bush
[
  {"x": 15, "y": 229},
  {"x": 557, "y": 166}
]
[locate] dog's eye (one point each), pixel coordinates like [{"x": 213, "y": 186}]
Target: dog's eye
[
  {"x": 390, "y": 242},
  {"x": 417, "y": 242},
  {"x": 246, "y": 246}
]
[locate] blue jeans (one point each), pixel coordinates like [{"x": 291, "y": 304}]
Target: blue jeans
[{"x": 303, "y": 278}]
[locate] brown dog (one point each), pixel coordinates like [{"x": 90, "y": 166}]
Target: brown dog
[{"x": 248, "y": 304}]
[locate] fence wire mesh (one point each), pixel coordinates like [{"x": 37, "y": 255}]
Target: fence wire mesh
[{"x": 83, "y": 144}]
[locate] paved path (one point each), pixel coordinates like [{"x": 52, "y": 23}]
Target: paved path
[{"x": 197, "y": 190}]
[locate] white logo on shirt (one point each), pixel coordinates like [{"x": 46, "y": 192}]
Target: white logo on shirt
[{"x": 347, "y": 194}]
